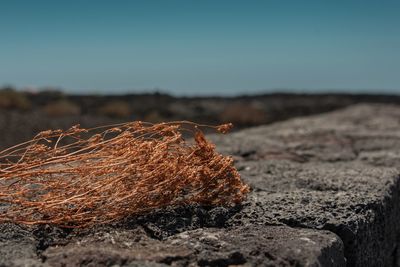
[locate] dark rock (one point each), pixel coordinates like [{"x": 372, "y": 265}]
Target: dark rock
[
  {"x": 252, "y": 245},
  {"x": 325, "y": 192},
  {"x": 336, "y": 171},
  {"x": 17, "y": 246},
  {"x": 263, "y": 246}
]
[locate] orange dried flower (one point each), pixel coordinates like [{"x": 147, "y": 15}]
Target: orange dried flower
[
  {"x": 225, "y": 128},
  {"x": 62, "y": 178}
]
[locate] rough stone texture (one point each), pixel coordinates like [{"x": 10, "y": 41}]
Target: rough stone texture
[
  {"x": 17, "y": 246},
  {"x": 325, "y": 193},
  {"x": 271, "y": 246},
  {"x": 336, "y": 171},
  {"x": 172, "y": 240}
]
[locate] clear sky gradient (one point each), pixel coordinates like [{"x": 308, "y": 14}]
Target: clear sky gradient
[{"x": 197, "y": 47}]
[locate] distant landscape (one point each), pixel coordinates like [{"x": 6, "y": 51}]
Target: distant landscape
[{"x": 23, "y": 114}]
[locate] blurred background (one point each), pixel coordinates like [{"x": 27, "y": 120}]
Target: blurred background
[{"x": 247, "y": 62}]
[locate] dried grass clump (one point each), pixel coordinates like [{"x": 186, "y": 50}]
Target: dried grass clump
[
  {"x": 116, "y": 109},
  {"x": 11, "y": 99},
  {"x": 62, "y": 108},
  {"x": 81, "y": 177}
]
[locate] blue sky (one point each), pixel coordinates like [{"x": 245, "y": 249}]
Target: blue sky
[{"x": 201, "y": 47}]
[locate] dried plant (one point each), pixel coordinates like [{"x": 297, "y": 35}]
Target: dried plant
[{"x": 81, "y": 177}]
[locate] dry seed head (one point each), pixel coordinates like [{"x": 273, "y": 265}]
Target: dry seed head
[
  {"x": 81, "y": 177},
  {"x": 225, "y": 128}
]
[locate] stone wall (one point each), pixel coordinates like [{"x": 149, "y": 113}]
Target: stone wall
[{"x": 325, "y": 192}]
